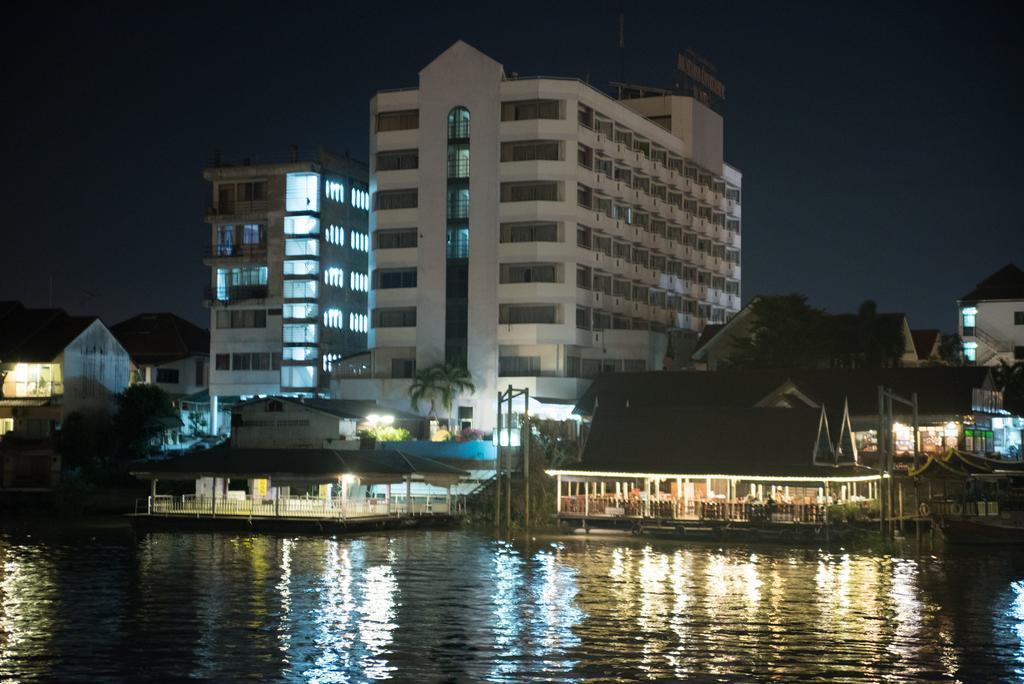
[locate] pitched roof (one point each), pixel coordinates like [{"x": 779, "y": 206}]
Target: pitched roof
[
  {"x": 157, "y": 338},
  {"x": 773, "y": 442},
  {"x": 709, "y": 331},
  {"x": 925, "y": 342},
  {"x": 941, "y": 390},
  {"x": 37, "y": 335},
  {"x": 1006, "y": 283},
  {"x": 312, "y": 463}
]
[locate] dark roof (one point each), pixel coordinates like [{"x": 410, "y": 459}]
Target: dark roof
[
  {"x": 1006, "y": 283},
  {"x": 37, "y": 335},
  {"x": 356, "y": 409},
  {"x": 709, "y": 331},
  {"x": 312, "y": 463},
  {"x": 685, "y": 389},
  {"x": 924, "y": 342},
  {"x": 941, "y": 390},
  {"x": 156, "y": 338},
  {"x": 707, "y": 441}
]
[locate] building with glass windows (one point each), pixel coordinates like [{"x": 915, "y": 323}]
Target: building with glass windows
[
  {"x": 288, "y": 274},
  {"x": 539, "y": 232}
]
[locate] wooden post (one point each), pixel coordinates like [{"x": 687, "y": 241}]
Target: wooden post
[
  {"x": 213, "y": 504},
  {"x": 525, "y": 441},
  {"x": 344, "y": 497},
  {"x": 901, "y": 505},
  {"x": 277, "y": 500},
  {"x": 387, "y": 499},
  {"x": 152, "y": 495},
  {"x": 558, "y": 497},
  {"x": 508, "y": 465},
  {"x": 408, "y": 494},
  {"x": 881, "y": 458},
  {"x": 497, "y": 472},
  {"x": 586, "y": 498},
  {"x": 448, "y": 499}
]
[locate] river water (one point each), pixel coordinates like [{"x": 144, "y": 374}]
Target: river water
[{"x": 100, "y": 604}]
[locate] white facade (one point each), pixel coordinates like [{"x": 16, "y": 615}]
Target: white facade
[
  {"x": 288, "y": 274},
  {"x": 594, "y": 228},
  {"x": 990, "y": 319}
]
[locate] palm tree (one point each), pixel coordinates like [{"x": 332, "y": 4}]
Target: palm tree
[
  {"x": 425, "y": 387},
  {"x": 444, "y": 381}
]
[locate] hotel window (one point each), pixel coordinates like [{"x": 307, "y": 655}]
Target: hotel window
[
  {"x": 241, "y": 361},
  {"x": 335, "y": 277},
  {"x": 302, "y": 192},
  {"x": 301, "y": 225},
  {"x": 223, "y": 362},
  {"x": 396, "y": 239},
  {"x": 519, "y": 365},
  {"x": 528, "y": 273},
  {"x": 394, "y": 318},
  {"x": 531, "y": 109},
  {"x": 298, "y": 354},
  {"x": 300, "y": 289},
  {"x": 1018, "y": 317},
  {"x": 398, "y": 121},
  {"x": 298, "y": 376},
  {"x": 1018, "y": 352},
  {"x": 225, "y": 240},
  {"x": 583, "y": 237},
  {"x": 301, "y": 247},
  {"x": 573, "y": 367},
  {"x": 396, "y": 199},
  {"x": 389, "y": 280},
  {"x": 523, "y": 314},
  {"x": 584, "y": 275},
  {"x": 602, "y": 321},
  {"x": 167, "y": 375},
  {"x": 530, "y": 192},
  {"x": 299, "y": 332},
  {"x": 358, "y": 322},
  {"x": 244, "y": 318},
  {"x": 334, "y": 190},
  {"x": 301, "y": 267},
  {"x": 529, "y": 232},
  {"x": 361, "y": 199},
  {"x": 537, "y": 150},
  {"x": 582, "y": 318},
  {"x": 602, "y": 283},
  {"x": 398, "y": 160},
  {"x": 299, "y": 311},
  {"x": 260, "y": 361}
]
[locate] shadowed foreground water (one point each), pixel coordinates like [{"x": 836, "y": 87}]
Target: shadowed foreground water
[{"x": 457, "y": 605}]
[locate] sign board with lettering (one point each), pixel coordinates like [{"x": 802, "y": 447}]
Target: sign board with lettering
[{"x": 697, "y": 78}]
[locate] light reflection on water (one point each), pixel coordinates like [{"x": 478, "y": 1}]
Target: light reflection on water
[{"x": 460, "y": 606}]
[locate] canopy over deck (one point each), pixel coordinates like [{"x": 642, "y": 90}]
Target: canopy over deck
[
  {"x": 739, "y": 443},
  {"x": 307, "y": 465},
  {"x": 956, "y": 465}
]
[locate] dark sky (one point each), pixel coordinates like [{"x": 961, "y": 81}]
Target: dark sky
[{"x": 881, "y": 144}]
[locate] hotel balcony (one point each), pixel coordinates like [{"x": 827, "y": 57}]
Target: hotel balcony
[
  {"x": 237, "y": 208},
  {"x": 220, "y": 253}
]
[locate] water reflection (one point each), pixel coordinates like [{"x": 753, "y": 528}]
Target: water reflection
[{"x": 459, "y": 606}]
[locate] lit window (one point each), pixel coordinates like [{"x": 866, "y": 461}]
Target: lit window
[
  {"x": 335, "y": 277},
  {"x": 971, "y": 351},
  {"x": 301, "y": 192},
  {"x": 334, "y": 190},
  {"x": 301, "y": 225},
  {"x": 299, "y": 332},
  {"x": 293, "y": 311},
  {"x": 360, "y": 199},
  {"x": 301, "y": 267},
  {"x": 334, "y": 318},
  {"x": 300, "y": 289},
  {"x": 298, "y": 353},
  {"x": 301, "y": 247},
  {"x": 298, "y": 376},
  {"x": 970, "y": 315}
]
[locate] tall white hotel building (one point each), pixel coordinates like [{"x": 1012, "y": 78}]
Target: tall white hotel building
[{"x": 540, "y": 232}]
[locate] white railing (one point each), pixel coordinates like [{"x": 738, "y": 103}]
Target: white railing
[{"x": 300, "y": 507}]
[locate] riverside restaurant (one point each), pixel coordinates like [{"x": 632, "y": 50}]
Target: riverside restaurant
[
  {"x": 754, "y": 472},
  {"x": 304, "y": 488}
]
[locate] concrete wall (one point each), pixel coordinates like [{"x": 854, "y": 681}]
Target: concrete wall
[
  {"x": 95, "y": 368},
  {"x": 294, "y": 426}
]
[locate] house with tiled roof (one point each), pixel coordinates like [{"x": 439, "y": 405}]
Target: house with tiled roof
[{"x": 166, "y": 351}]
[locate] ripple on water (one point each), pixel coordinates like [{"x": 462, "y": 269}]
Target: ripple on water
[{"x": 460, "y": 606}]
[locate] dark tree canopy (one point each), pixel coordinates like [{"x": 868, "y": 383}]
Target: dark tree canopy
[{"x": 139, "y": 409}]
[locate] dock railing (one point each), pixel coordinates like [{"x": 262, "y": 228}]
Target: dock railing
[
  {"x": 675, "y": 508},
  {"x": 300, "y": 506}
]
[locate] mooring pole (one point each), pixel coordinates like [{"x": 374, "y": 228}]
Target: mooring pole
[
  {"x": 525, "y": 440},
  {"x": 497, "y": 473},
  {"x": 508, "y": 464}
]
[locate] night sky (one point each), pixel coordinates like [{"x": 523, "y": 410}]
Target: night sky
[{"x": 881, "y": 144}]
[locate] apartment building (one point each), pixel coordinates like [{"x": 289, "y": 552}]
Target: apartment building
[
  {"x": 991, "y": 319},
  {"x": 288, "y": 274},
  {"x": 540, "y": 231}
]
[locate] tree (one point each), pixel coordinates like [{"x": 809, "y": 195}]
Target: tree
[
  {"x": 880, "y": 340},
  {"x": 1009, "y": 380},
  {"x": 951, "y": 350},
  {"x": 785, "y": 332},
  {"x": 137, "y": 421},
  {"x": 441, "y": 381}
]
